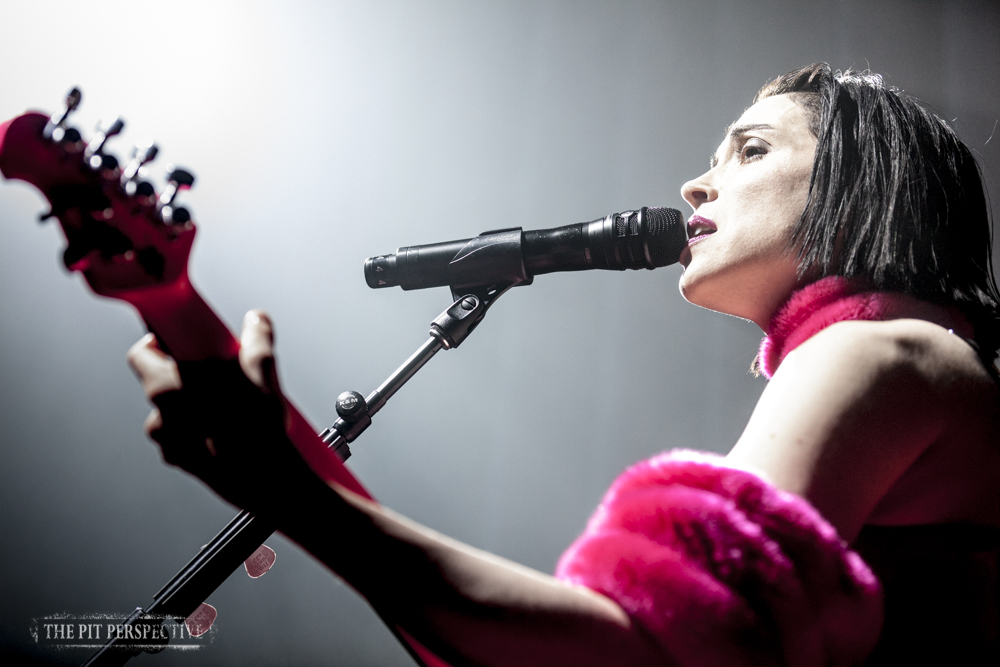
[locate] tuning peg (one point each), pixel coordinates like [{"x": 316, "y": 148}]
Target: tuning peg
[
  {"x": 175, "y": 215},
  {"x": 177, "y": 180},
  {"x": 55, "y": 129},
  {"x": 142, "y": 153},
  {"x": 94, "y": 155},
  {"x": 140, "y": 189},
  {"x": 104, "y": 161}
]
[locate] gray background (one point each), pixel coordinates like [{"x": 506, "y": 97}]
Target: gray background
[{"x": 322, "y": 133}]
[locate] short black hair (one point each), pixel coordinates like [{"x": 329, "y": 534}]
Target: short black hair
[{"x": 895, "y": 198}]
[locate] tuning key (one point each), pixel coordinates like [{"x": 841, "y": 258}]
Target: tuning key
[
  {"x": 175, "y": 215},
  {"x": 94, "y": 155},
  {"x": 141, "y": 154},
  {"x": 104, "y": 161},
  {"x": 177, "y": 180},
  {"x": 55, "y": 129}
]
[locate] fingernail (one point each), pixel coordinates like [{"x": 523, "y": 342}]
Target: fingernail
[
  {"x": 260, "y": 561},
  {"x": 256, "y": 317},
  {"x": 201, "y": 619}
]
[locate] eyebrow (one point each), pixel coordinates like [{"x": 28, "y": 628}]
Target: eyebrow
[{"x": 736, "y": 131}]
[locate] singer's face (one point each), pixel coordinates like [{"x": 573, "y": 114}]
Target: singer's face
[{"x": 745, "y": 207}]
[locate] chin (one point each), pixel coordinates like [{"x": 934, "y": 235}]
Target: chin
[
  {"x": 713, "y": 293},
  {"x": 697, "y": 287},
  {"x": 699, "y": 291},
  {"x": 751, "y": 289}
]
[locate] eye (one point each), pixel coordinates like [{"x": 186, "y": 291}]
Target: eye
[{"x": 753, "y": 149}]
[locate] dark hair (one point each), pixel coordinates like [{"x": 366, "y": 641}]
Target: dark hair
[{"x": 895, "y": 199}]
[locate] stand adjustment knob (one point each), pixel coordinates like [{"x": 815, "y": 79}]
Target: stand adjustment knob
[
  {"x": 455, "y": 324},
  {"x": 351, "y": 406},
  {"x": 353, "y": 412}
]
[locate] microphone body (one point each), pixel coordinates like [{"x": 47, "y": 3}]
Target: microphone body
[{"x": 644, "y": 238}]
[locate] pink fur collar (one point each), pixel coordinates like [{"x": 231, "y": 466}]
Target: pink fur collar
[{"x": 836, "y": 299}]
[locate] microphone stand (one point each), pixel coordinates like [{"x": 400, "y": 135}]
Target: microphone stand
[{"x": 213, "y": 564}]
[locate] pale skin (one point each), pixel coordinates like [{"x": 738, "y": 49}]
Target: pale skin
[
  {"x": 469, "y": 606},
  {"x": 858, "y": 414},
  {"x": 874, "y": 422}
]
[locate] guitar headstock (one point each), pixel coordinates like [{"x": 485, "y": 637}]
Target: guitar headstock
[{"x": 121, "y": 234}]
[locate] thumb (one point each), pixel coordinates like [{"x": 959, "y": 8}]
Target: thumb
[{"x": 257, "y": 351}]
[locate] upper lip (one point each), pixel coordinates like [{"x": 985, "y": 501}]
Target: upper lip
[{"x": 699, "y": 226}]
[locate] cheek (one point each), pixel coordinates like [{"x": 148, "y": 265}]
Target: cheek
[
  {"x": 753, "y": 247},
  {"x": 764, "y": 228},
  {"x": 780, "y": 204}
]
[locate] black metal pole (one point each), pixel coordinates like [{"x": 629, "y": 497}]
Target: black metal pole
[{"x": 245, "y": 533}]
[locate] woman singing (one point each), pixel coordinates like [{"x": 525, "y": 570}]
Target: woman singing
[{"x": 856, "y": 519}]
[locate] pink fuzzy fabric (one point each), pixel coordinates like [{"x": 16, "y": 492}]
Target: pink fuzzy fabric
[
  {"x": 722, "y": 567},
  {"x": 725, "y": 569}
]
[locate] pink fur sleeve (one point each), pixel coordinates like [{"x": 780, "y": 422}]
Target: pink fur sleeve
[{"x": 725, "y": 569}]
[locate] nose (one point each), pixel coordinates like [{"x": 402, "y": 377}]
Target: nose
[{"x": 699, "y": 191}]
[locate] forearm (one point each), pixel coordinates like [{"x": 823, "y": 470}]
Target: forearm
[
  {"x": 229, "y": 426},
  {"x": 469, "y": 606}
]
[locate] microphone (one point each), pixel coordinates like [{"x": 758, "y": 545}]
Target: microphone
[{"x": 649, "y": 237}]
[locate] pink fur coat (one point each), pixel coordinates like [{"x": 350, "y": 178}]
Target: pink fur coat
[{"x": 719, "y": 565}]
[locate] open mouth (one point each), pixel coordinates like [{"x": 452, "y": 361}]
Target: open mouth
[{"x": 699, "y": 228}]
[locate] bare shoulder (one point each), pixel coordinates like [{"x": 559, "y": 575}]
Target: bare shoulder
[
  {"x": 918, "y": 347},
  {"x": 851, "y": 410},
  {"x": 867, "y": 365},
  {"x": 940, "y": 370}
]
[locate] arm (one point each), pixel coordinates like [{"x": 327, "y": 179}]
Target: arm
[
  {"x": 468, "y": 606},
  {"x": 847, "y": 413}
]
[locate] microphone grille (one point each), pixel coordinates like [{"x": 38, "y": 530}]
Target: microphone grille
[{"x": 665, "y": 235}]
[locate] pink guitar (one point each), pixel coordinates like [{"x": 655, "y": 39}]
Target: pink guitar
[{"x": 132, "y": 243}]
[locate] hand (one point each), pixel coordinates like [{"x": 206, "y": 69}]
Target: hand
[{"x": 224, "y": 420}]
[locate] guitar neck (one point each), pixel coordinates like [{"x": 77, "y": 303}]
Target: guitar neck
[
  {"x": 184, "y": 324},
  {"x": 120, "y": 236},
  {"x": 188, "y": 328}
]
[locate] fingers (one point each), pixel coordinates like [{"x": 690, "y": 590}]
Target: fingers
[
  {"x": 153, "y": 424},
  {"x": 182, "y": 443},
  {"x": 156, "y": 371},
  {"x": 257, "y": 351}
]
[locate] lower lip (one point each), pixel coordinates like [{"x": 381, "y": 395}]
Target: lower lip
[{"x": 697, "y": 239}]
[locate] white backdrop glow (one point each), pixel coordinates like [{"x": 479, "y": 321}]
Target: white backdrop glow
[{"x": 325, "y": 132}]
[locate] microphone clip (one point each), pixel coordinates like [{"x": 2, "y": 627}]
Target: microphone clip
[
  {"x": 497, "y": 254},
  {"x": 456, "y": 323}
]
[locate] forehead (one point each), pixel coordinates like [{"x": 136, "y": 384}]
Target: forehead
[
  {"x": 779, "y": 115},
  {"x": 781, "y": 109}
]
